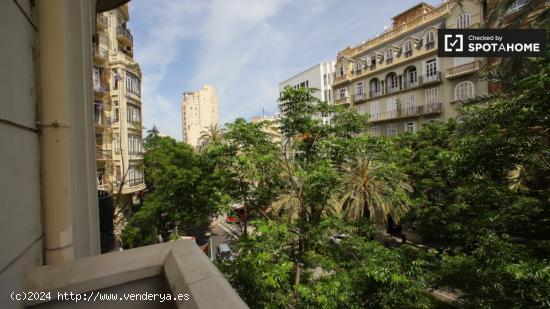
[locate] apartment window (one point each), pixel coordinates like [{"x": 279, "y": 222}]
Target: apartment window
[
  {"x": 375, "y": 131},
  {"x": 372, "y": 61},
  {"x": 357, "y": 66},
  {"x": 432, "y": 97},
  {"x": 329, "y": 97},
  {"x": 410, "y": 127},
  {"x": 374, "y": 110},
  {"x": 431, "y": 69},
  {"x": 430, "y": 40},
  {"x": 392, "y": 82},
  {"x": 134, "y": 144},
  {"x": 325, "y": 79},
  {"x": 99, "y": 139},
  {"x": 342, "y": 93},
  {"x": 133, "y": 114},
  {"x": 411, "y": 77},
  {"x": 391, "y": 107},
  {"x": 389, "y": 55},
  {"x": 463, "y": 21},
  {"x": 135, "y": 176},
  {"x": 97, "y": 78},
  {"x": 375, "y": 87},
  {"x": 410, "y": 103},
  {"x": 341, "y": 70},
  {"x": 115, "y": 111},
  {"x": 464, "y": 90},
  {"x": 132, "y": 83},
  {"x": 359, "y": 88},
  {"x": 391, "y": 130},
  {"x": 97, "y": 112},
  {"x": 408, "y": 49},
  {"x": 116, "y": 142}
]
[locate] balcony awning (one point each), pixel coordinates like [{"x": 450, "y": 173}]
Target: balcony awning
[{"x": 107, "y": 5}]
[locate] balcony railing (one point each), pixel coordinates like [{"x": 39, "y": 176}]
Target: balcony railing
[
  {"x": 463, "y": 69},
  {"x": 356, "y": 72},
  {"x": 342, "y": 101},
  {"x": 400, "y": 29},
  {"x": 181, "y": 266},
  {"x": 359, "y": 97},
  {"x": 430, "y": 79},
  {"x": 124, "y": 35},
  {"x": 101, "y": 54},
  {"x": 340, "y": 78},
  {"x": 410, "y": 84},
  {"x": 410, "y": 111},
  {"x": 392, "y": 89},
  {"x": 135, "y": 182},
  {"x": 374, "y": 94},
  {"x": 421, "y": 110}
]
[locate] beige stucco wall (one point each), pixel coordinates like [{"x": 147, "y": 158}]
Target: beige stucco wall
[
  {"x": 21, "y": 187},
  {"x": 445, "y": 88}
]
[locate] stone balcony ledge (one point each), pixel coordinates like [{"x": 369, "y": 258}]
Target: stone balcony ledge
[{"x": 180, "y": 264}]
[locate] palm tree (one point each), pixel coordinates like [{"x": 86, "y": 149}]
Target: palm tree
[
  {"x": 375, "y": 189},
  {"x": 212, "y": 134}
]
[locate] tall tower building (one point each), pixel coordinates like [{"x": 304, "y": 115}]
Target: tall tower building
[
  {"x": 117, "y": 107},
  {"x": 199, "y": 111}
]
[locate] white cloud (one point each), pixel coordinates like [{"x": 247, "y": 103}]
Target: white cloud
[{"x": 242, "y": 47}]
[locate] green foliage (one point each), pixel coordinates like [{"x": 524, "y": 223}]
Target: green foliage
[{"x": 182, "y": 192}]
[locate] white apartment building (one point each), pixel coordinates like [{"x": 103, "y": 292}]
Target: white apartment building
[
  {"x": 199, "y": 111},
  {"x": 319, "y": 76}
]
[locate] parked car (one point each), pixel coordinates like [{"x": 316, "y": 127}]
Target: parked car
[{"x": 223, "y": 252}]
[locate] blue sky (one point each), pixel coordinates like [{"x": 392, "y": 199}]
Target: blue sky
[{"x": 242, "y": 47}]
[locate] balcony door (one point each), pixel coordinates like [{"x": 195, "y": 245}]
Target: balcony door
[
  {"x": 391, "y": 107},
  {"x": 374, "y": 110},
  {"x": 431, "y": 70}
]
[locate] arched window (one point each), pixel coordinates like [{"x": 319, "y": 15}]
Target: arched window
[
  {"x": 389, "y": 55},
  {"x": 430, "y": 40},
  {"x": 392, "y": 82},
  {"x": 464, "y": 90},
  {"x": 408, "y": 49},
  {"x": 463, "y": 21},
  {"x": 375, "y": 87},
  {"x": 342, "y": 93},
  {"x": 411, "y": 77}
]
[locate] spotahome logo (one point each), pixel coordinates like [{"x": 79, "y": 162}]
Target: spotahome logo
[{"x": 491, "y": 43}]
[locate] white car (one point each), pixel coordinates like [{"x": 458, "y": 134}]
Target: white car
[{"x": 223, "y": 252}]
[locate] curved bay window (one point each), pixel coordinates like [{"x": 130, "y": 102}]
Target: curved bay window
[
  {"x": 464, "y": 90},
  {"x": 132, "y": 84}
]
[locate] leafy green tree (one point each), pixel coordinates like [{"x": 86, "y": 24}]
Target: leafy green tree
[
  {"x": 182, "y": 193},
  {"x": 254, "y": 167}
]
